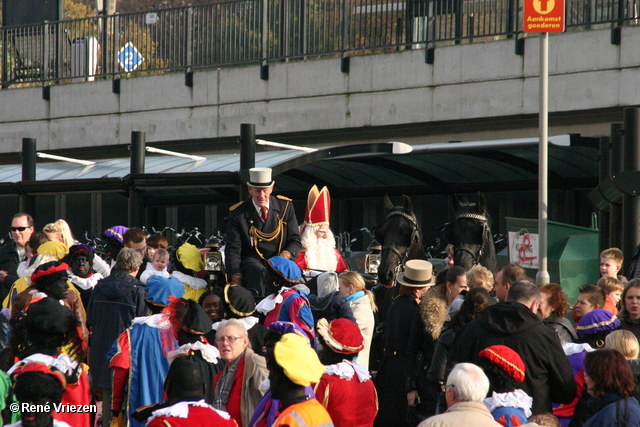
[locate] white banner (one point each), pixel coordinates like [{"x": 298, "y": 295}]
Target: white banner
[{"x": 523, "y": 249}]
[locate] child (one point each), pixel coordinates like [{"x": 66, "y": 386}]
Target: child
[
  {"x": 157, "y": 266},
  {"x": 612, "y": 288},
  {"x": 610, "y": 263}
]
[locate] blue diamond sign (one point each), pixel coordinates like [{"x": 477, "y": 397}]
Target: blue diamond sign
[{"x": 129, "y": 57}]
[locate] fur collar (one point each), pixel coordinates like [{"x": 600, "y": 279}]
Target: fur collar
[{"x": 433, "y": 310}]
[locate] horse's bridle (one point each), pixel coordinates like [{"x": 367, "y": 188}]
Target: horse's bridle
[
  {"x": 414, "y": 224},
  {"x": 475, "y": 255}
]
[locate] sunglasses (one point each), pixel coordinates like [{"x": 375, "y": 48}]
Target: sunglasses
[{"x": 18, "y": 228}]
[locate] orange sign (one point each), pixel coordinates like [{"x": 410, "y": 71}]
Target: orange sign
[{"x": 543, "y": 16}]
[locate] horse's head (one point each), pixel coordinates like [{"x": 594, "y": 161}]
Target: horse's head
[
  {"x": 470, "y": 233},
  {"x": 397, "y": 234}
]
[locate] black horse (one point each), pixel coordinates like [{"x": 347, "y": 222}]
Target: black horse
[
  {"x": 400, "y": 237},
  {"x": 470, "y": 234}
]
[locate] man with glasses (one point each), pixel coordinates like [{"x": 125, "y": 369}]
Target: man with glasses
[
  {"x": 13, "y": 252},
  {"x": 466, "y": 388}
]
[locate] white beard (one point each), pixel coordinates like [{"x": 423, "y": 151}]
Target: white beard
[{"x": 319, "y": 253}]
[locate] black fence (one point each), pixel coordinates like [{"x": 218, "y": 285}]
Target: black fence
[{"x": 258, "y": 31}]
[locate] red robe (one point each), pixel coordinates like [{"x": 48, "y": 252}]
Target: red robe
[
  {"x": 199, "y": 414},
  {"x": 342, "y": 265},
  {"x": 349, "y": 402}
]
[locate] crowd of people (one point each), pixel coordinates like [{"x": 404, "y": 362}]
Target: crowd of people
[{"x": 294, "y": 338}]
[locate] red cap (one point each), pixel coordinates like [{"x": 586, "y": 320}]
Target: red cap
[
  {"x": 507, "y": 359},
  {"x": 342, "y": 335}
]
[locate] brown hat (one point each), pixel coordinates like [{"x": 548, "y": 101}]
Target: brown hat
[{"x": 417, "y": 273}]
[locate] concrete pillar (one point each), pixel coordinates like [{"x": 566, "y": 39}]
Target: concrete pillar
[
  {"x": 631, "y": 203},
  {"x": 616, "y": 230},
  {"x": 136, "y": 199},
  {"x": 247, "y": 155},
  {"x": 603, "y": 216},
  {"x": 28, "y": 202}
]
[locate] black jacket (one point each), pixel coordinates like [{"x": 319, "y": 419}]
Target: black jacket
[
  {"x": 244, "y": 215},
  {"x": 115, "y": 302},
  {"x": 548, "y": 374},
  {"x": 9, "y": 261},
  {"x": 390, "y": 380},
  {"x": 563, "y": 328}
]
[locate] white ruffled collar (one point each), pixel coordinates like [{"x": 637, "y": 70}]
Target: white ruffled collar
[
  {"x": 181, "y": 410},
  {"x": 574, "y": 348},
  {"x": 515, "y": 399},
  {"x": 158, "y": 321},
  {"x": 346, "y": 369},
  {"x": 63, "y": 363},
  {"x": 190, "y": 281},
  {"x": 85, "y": 283},
  {"x": 270, "y": 302},
  {"x": 209, "y": 352},
  {"x": 248, "y": 322}
]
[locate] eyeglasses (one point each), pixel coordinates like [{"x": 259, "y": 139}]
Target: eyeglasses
[
  {"x": 18, "y": 228},
  {"x": 231, "y": 340},
  {"x": 443, "y": 387}
]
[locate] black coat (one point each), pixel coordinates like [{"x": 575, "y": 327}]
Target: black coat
[
  {"x": 239, "y": 243},
  {"x": 548, "y": 374},
  {"x": 563, "y": 328},
  {"x": 115, "y": 302},
  {"x": 390, "y": 380},
  {"x": 9, "y": 261}
]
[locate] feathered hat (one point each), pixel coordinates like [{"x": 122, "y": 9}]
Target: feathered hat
[{"x": 318, "y": 209}]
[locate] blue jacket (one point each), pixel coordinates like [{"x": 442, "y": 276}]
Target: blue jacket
[
  {"x": 115, "y": 302},
  {"x": 615, "y": 412}
]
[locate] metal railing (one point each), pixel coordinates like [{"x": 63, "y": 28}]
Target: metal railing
[{"x": 251, "y": 31}]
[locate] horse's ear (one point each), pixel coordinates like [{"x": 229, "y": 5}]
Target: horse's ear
[
  {"x": 481, "y": 204},
  {"x": 388, "y": 206},
  {"x": 449, "y": 235},
  {"x": 408, "y": 206},
  {"x": 456, "y": 204}
]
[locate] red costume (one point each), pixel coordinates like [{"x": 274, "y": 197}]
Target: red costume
[
  {"x": 342, "y": 265},
  {"x": 350, "y": 402},
  {"x": 189, "y": 414},
  {"x": 317, "y": 213}
]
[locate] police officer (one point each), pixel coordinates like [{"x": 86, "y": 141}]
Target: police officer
[{"x": 259, "y": 228}]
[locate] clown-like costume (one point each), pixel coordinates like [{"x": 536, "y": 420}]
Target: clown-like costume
[
  {"x": 318, "y": 243},
  {"x": 345, "y": 385}
]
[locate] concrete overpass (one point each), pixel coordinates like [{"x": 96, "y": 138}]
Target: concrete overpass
[{"x": 475, "y": 91}]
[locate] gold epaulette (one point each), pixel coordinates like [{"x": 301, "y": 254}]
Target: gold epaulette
[
  {"x": 283, "y": 198},
  {"x": 235, "y": 206}
]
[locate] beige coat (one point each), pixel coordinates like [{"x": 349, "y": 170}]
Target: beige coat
[
  {"x": 363, "y": 313},
  {"x": 255, "y": 372},
  {"x": 462, "y": 414}
]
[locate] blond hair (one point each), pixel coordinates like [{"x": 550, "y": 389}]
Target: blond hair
[
  {"x": 354, "y": 279},
  {"x": 614, "y": 254},
  {"x": 480, "y": 276},
  {"x": 63, "y": 230},
  {"x": 161, "y": 254},
  {"x": 610, "y": 284},
  {"x": 625, "y": 342}
]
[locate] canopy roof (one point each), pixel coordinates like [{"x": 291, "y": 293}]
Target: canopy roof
[{"x": 350, "y": 170}]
